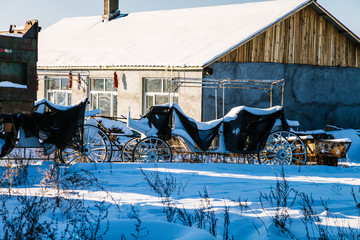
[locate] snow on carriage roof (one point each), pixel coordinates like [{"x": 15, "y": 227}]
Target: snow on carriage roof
[
  {"x": 256, "y": 111},
  {"x": 178, "y": 38},
  {"x": 230, "y": 116}
]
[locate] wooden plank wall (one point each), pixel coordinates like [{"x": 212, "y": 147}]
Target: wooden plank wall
[{"x": 305, "y": 37}]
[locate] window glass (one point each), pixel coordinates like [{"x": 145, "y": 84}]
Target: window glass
[
  {"x": 109, "y": 85},
  {"x": 97, "y": 84},
  {"x": 161, "y": 99},
  {"x": 54, "y": 83},
  {"x": 94, "y": 101},
  {"x": 104, "y": 104},
  {"x": 176, "y": 99},
  {"x": 153, "y": 85},
  {"x": 104, "y": 96},
  {"x": 149, "y": 101},
  {"x": 51, "y": 96},
  {"x": 165, "y": 86},
  {"x": 65, "y": 84},
  {"x": 60, "y": 98},
  {"x": 58, "y": 91},
  {"x": 156, "y": 92}
]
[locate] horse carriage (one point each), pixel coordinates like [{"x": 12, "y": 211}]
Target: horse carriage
[
  {"x": 57, "y": 129},
  {"x": 243, "y": 130}
]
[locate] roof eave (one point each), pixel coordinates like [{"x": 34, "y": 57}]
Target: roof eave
[
  {"x": 341, "y": 27},
  {"x": 259, "y": 32},
  {"x": 122, "y": 68},
  {"x": 317, "y": 7}
]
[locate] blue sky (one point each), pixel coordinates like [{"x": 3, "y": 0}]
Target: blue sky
[{"x": 50, "y": 11}]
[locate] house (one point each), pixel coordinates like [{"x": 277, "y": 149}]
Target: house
[{"x": 121, "y": 60}]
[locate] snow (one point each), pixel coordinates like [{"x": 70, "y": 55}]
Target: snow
[
  {"x": 232, "y": 114},
  {"x": 41, "y": 103},
  {"x": 354, "y": 151},
  {"x": 12, "y": 35},
  {"x": 92, "y": 112},
  {"x": 183, "y": 37},
  {"x": 8, "y": 84},
  {"x": 124, "y": 184},
  {"x": 111, "y": 125}
]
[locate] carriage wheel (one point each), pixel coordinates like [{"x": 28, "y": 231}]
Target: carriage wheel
[
  {"x": 128, "y": 148},
  {"x": 152, "y": 149},
  {"x": 251, "y": 159},
  {"x": 283, "y": 147},
  {"x": 96, "y": 147}
]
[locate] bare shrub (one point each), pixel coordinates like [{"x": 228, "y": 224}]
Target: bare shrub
[
  {"x": 164, "y": 188},
  {"x": 14, "y": 176},
  {"x": 226, "y": 234},
  {"x": 279, "y": 199},
  {"x": 84, "y": 224},
  {"x": 310, "y": 217},
  {"x": 26, "y": 220},
  {"x": 185, "y": 217},
  {"x": 138, "y": 226},
  {"x": 244, "y": 207},
  {"x": 205, "y": 215}
]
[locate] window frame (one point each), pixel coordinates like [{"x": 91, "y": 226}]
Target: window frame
[
  {"x": 164, "y": 92},
  {"x": 49, "y": 91},
  {"x": 113, "y": 92}
]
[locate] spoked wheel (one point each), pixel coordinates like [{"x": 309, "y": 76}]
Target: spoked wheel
[
  {"x": 96, "y": 147},
  {"x": 283, "y": 148},
  {"x": 128, "y": 148},
  {"x": 152, "y": 149}
]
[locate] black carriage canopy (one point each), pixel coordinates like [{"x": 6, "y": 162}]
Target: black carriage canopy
[
  {"x": 54, "y": 124},
  {"x": 8, "y": 139},
  {"x": 245, "y": 131}
]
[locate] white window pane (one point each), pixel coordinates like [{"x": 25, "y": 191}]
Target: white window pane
[
  {"x": 54, "y": 83},
  {"x": 165, "y": 86},
  {"x": 153, "y": 85},
  {"x": 161, "y": 99},
  {"x": 65, "y": 84},
  {"x": 60, "y": 98},
  {"x": 149, "y": 102},
  {"x": 51, "y": 96},
  {"x": 109, "y": 85},
  {"x": 104, "y": 104},
  {"x": 94, "y": 101},
  {"x": 97, "y": 84}
]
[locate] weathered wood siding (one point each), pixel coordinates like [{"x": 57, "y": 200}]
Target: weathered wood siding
[{"x": 305, "y": 37}]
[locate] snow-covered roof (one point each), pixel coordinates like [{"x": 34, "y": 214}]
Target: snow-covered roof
[{"x": 176, "y": 38}]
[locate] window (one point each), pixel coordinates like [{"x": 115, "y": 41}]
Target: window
[
  {"x": 104, "y": 96},
  {"x": 156, "y": 91},
  {"x": 58, "y": 91}
]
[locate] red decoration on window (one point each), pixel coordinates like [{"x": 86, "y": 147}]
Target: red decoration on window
[
  {"x": 79, "y": 79},
  {"x": 70, "y": 79},
  {"x": 116, "y": 82}
]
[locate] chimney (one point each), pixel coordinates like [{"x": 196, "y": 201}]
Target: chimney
[{"x": 111, "y": 9}]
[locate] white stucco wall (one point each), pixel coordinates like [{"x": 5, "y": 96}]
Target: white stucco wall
[{"x": 131, "y": 89}]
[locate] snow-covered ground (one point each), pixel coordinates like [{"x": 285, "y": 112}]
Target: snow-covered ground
[
  {"x": 182, "y": 200},
  {"x": 199, "y": 190}
]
